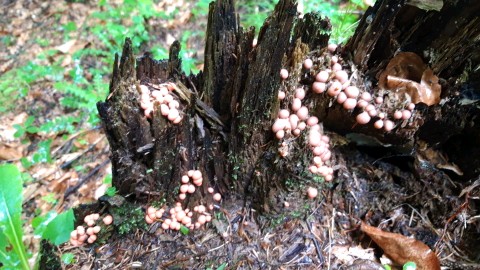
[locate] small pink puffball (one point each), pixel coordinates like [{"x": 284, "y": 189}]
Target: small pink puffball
[
  {"x": 366, "y": 96},
  {"x": 148, "y": 219},
  {"x": 296, "y": 132},
  {"x": 326, "y": 139},
  {"x": 279, "y": 124},
  {"x": 300, "y": 93},
  {"x": 165, "y": 226},
  {"x": 190, "y": 173},
  {"x": 151, "y": 210},
  {"x": 159, "y": 213},
  {"x": 172, "y": 114},
  {"x": 334, "y": 60},
  {"x": 168, "y": 98},
  {"x": 144, "y": 89},
  {"x": 411, "y": 106},
  {"x": 107, "y": 220},
  {"x": 387, "y": 125},
  {"x": 312, "y": 120},
  {"x": 177, "y": 120},
  {"x": 217, "y": 197},
  {"x": 286, "y": 204},
  {"x": 302, "y": 125},
  {"x": 185, "y": 179},
  {"x": 74, "y": 235},
  {"x": 312, "y": 192},
  {"x": 379, "y": 100},
  {"x": 397, "y": 115},
  {"x": 406, "y": 114},
  {"x": 334, "y": 88},
  {"x": 148, "y": 111},
  {"x": 373, "y": 112},
  {"x": 341, "y": 97},
  {"x": 378, "y": 124},
  {"x": 314, "y": 138},
  {"x": 320, "y": 149},
  {"x": 322, "y": 76},
  {"x": 182, "y": 196},
  {"x": 341, "y": 76},
  {"x": 96, "y": 229},
  {"x": 283, "y": 114},
  {"x": 362, "y": 103},
  {"x": 328, "y": 177},
  {"x": 173, "y": 104},
  {"x": 332, "y": 47},
  {"x": 350, "y": 104},
  {"x": 145, "y": 104},
  {"x": 164, "y": 109},
  {"x": 326, "y": 155},
  {"x": 336, "y": 67},
  {"x": 280, "y": 134},
  {"x": 318, "y": 87},
  {"x": 184, "y": 188},
  {"x": 317, "y": 161},
  {"x": 363, "y": 118},
  {"x": 293, "y": 121},
  {"x": 191, "y": 189},
  {"x": 164, "y": 91},
  {"x": 283, "y": 74},
  {"x": 80, "y": 230},
  {"x": 196, "y": 175},
  {"x": 352, "y": 92},
  {"x": 202, "y": 219},
  {"x": 198, "y": 182},
  {"x": 313, "y": 169},
  {"x": 308, "y": 63},
  {"x": 156, "y": 93},
  {"x": 381, "y": 115},
  {"x": 296, "y": 104},
  {"x": 92, "y": 238},
  {"x": 281, "y": 95},
  {"x": 210, "y": 190},
  {"x": 302, "y": 113}
]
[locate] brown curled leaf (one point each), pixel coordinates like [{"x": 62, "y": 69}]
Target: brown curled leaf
[
  {"x": 406, "y": 74},
  {"x": 402, "y": 249}
]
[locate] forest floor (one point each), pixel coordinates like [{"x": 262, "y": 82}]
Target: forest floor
[{"x": 400, "y": 193}]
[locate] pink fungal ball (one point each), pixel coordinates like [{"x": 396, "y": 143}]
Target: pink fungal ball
[
  {"x": 362, "y": 103},
  {"x": 165, "y": 226},
  {"x": 332, "y": 47},
  {"x": 313, "y": 169},
  {"x": 302, "y": 125},
  {"x": 319, "y": 150},
  {"x": 182, "y": 196},
  {"x": 350, "y": 104},
  {"x": 156, "y": 93},
  {"x": 366, "y": 96},
  {"x": 341, "y": 76},
  {"x": 148, "y": 219},
  {"x": 317, "y": 161},
  {"x": 87, "y": 218},
  {"x": 145, "y": 104},
  {"x": 411, "y": 106},
  {"x": 191, "y": 188},
  {"x": 144, "y": 89},
  {"x": 281, "y": 95},
  {"x": 185, "y": 179},
  {"x": 164, "y": 109},
  {"x": 334, "y": 88},
  {"x": 312, "y": 192},
  {"x": 328, "y": 177},
  {"x": 334, "y": 60},
  {"x": 151, "y": 210},
  {"x": 378, "y": 124},
  {"x": 296, "y": 104},
  {"x": 210, "y": 190},
  {"x": 352, "y": 92},
  {"x": 172, "y": 114},
  {"x": 280, "y": 134},
  {"x": 96, "y": 229},
  {"x": 283, "y": 73},
  {"x": 302, "y": 113},
  {"x": 387, "y": 125},
  {"x": 173, "y": 104},
  {"x": 314, "y": 139},
  {"x": 397, "y": 115},
  {"x": 197, "y": 175},
  {"x": 336, "y": 67},
  {"x": 325, "y": 138},
  {"x": 341, "y": 97},
  {"x": 201, "y": 208},
  {"x": 202, "y": 219},
  {"x": 373, "y": 112},
  {"x": 381, "y": 115},
  {"x": 283, "y": 114},
  {"x": 91, "y": 239},
  {"x": 80, "y": 230},
  {"x": 379, "y": 100},
  {"x": 293, "y": 121},
  {"x": 190, "y": 173},
  {"x": 159, "y": 213},
  {"x": 300, "y": 93},
  {"x": 318, "y": 87},
  {"x": 363, "y": 118},
  {"x": 406, "y": 114},
  {"x": 95, "y": 216},
  {"x": 296, "y": 132},
  {"x": 278, "y": 125},
  {"x": 312, "y": 120},
  {"x": 177, "y": 120},
  {"x": 168, "y": 98},
  {"x": 208, "y": 218},
  {"x": 322, "y": 76},
  {"x": 74, "y": 235},
  {"x": 184, "y": 188},
  {"x": 308, "y": 63},
  {"x": 217, "y": 197}
]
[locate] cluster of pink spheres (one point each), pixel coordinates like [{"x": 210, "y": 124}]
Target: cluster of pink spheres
[
  {"x": 88, "y": 233},
  {"x": 162, "y": 98},
  {"x": 335, "y": 82},
  {"x": 174, "y": 218}
]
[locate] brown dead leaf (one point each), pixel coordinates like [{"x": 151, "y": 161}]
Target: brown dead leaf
[
  {"x": 10, "y": 153},
  {"x": 402, "y": 249},
  {"x": 406, "y": 74}
]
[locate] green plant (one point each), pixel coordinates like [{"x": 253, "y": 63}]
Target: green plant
[{"x": 53, "y": 227}]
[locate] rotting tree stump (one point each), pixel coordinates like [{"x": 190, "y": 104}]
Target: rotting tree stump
[{"x": 230, "y": 106}]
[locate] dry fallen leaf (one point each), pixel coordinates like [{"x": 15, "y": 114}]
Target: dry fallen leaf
[
  {"x": 402, "y": 249},
  {"x": 406, "y": 74}
]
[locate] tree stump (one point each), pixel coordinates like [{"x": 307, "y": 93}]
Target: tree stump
[{"x": 226, "y": 131}]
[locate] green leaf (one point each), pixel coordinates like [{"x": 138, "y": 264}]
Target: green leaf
[
  {"x": 59, "y": 229},
  {"x": 222, "y": 266},
  {"x": 68, "y": 258},
  {"x": 409, "y": 266},
  {"x": 40, "y": 223},
  {"x": 11, "y": 209},
  {"x": 184, "y": 230}
]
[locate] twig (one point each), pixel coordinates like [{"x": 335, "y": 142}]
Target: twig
[{"x": 71, "y": 190}]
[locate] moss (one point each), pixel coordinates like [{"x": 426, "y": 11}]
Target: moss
[{"x": 128, "y": 218}]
